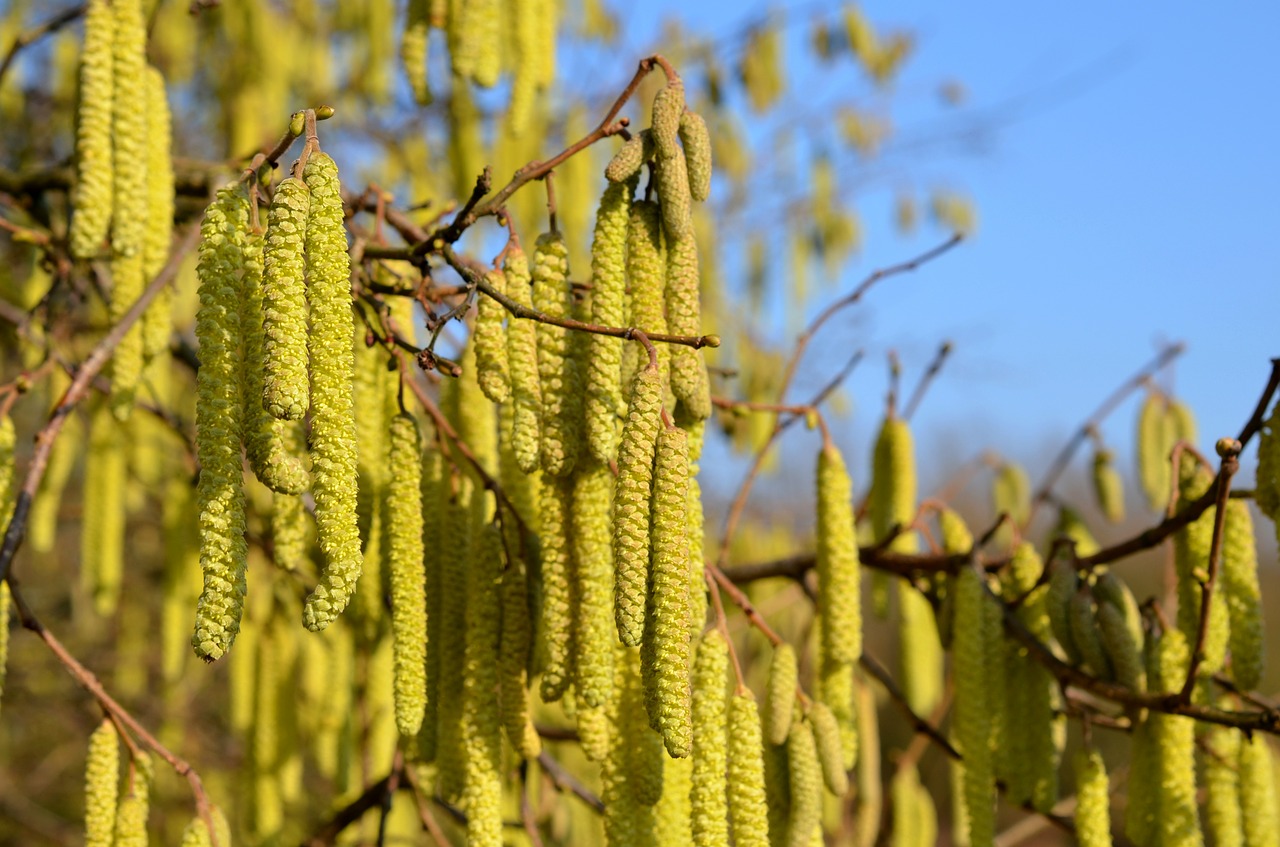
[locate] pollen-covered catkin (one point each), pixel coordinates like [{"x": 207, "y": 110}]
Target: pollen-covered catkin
[
  {"x": 219, "y": 492},
  {"x": 632, "y": 504},
  {"x": 631, "y": 156},
  {"x": 414, "y": 47},
  {"x": 481, "y": 726},
  {"x": 91, "y": 198},
  {"x": 333, "y": 425},
  {"x": 608, "y": 292},
  {"x": 101, "y": 785},
  {"x": 157, "y": 322},
  {"x": 1155, "y": 440},
  {"x": 805, "y": 814},
  {"x": 1063, "y": 584},
  {"x": 783, "y": 680},
  {"x": 684, "y": 317},
  {"x": 593, "y": 573},
  {"x": 408, "y": 601},
  {"x": 284, "y": 302},
  {"x": 826, "y": 732},
  {"x": 560, "y": 376},
  {"x": 1258, "y": 793},
  {"x": 1108, "y": 487},
  {"x": 1174, "y": 737},
  {"x": 647, "y": 278},
  {"x": 1084, "y": 633},
  {"x": 1123, "y": 653},
  {"x": 668, "y": 106},
  {"x": 1243, "y": 596},
  {"x": 102, "y": 534},
  {"x": 665, "y": 651},
  {"x": 1222, "y": 813},
  {"x": 973, "y": 706},
  {"x": 1093, "y": 808},
  {"x": 522, "y": 359},
  {"x": 196, "y": 834},
  {"x": 1191, "y": 546},
  {"x": 672, "y": 177},
  {"x": 555, "y": 509},
  {"x": 697, "y": 151},
  {"x": 839, "y": 570},
  {"x": 490, "y": 342},
  {"x": 514, "y": 663},
  {"x": 708, "y": 793},
  {"x": 747, "y": 804}
]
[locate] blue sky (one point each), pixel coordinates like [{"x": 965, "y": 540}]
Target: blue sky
[{"x": 1131, "y": 198}]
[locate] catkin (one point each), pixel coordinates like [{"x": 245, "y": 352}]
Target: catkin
[
  {"x": 1239, "y": 581},
  {"x": 973, "y": 705},
  {"x": 1268, "y": 475},
  {"x": 1258, "y": 793},
  {"x": 665, "y": 651},
  {"x": 1084, "y": 633},
  {"x": 593, "y": 569},
  {"x": 1175, "y": 744},
  {"x": 1155, "y": 440},
  {"x": 481, "y": 730},
  {"x": 672, "y": 178},
  {"x": 1222, "y": 812},
  {"x": 489, "y": 341},
  {"x": 157, "y": 323},
  {"x": 91, "y": 199},
  {"x": 1108, "y": 487},
  {"x": 332, "y": 412},
  {"x": 805, "y": 813},
  {"x": 102, "y": 534},
  {"x": 219, "y": 492},
  {"x": 1063, "y": 585},
  {"x": 684, "y": 317},
  {"x": 668, "y": 106},
  {"x": 708, "y": 793},
  {"x": 839, "y": 570},
  {"x": 559, "y": 376},
  {"x": 747, "y": 804},
  {"x": 414, "y": 48},
  {"x": 826, "y": 732},
  {"x": 1093, "y": 808},
  {"x": 408, "y": 601},
  {"x": 514, "y": 663},
  {"x": 1191, "y": 546},
  {"x": 555, "y": 510},
  {"x": 631, "y": 156},
  {"x": 632, "y": 504},
  {"x": 1122, "y": 652},
  {"x": 284, "y": 303},
  {"x": 522, "y": 358},
  {"x": 780, "y": 702},
  {"x": 608, "y": 284},
  {"x": 101, "y": 785},
  {"x": 647, "y": 278},
  {"x": 697, "y": 151},
  {"x": 196, "y": 834}
]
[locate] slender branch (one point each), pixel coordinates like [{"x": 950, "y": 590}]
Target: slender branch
[
  {"x": 565, "y": 781},
  {"x": 740, "y": 600},
  {"x": 927, "y": 379},
  {"x": 349, "y": 814},
  {"x": 31, "y": 36},
  {"x": 919, "y": 724}
]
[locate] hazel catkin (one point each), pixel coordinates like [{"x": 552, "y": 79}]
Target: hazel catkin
[
  {"x": 747, "y": 804},
  {"x": 1093, "y": 815},
  {"x": 708, "y": 795},
  {"x": 631, "y": 156},
  {"x": 697, "y": 151},
  {"x": 91, "y": 199},
  {"x": 780, "y": 703},
  {"x": 555, "y": 508},
  {"x": 489, "y": 341},
  {"x": 1243, "y": 596},
  {"x": 593, "y": 574},
  {"x": 101, "y": 785},
  {"x": 284, "y": 316},
  {"x": 522, "y": 360},
  {"x": 608, "y": 284},
  {"x": 632, "y": 504},
  {"x": 404, "y": 559},
  {"x": 559, "y": 374},
  {"x": 839, "y": 569}
]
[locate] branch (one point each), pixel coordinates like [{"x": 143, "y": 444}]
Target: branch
[
  {"x": 919, "y": 724},
  {"x": 31, "y": 36},
  {"x": 565, "y": 781},
  {"x": 349, "y": 814}
]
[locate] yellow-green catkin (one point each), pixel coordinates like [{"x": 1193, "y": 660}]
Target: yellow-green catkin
[
  {"x": 1222, "y": 812},
  {"x": 839, "y": 570},
  {"x": 708, "y": 795},
  {"x": 219, "y": 492},
  {"x": 101, "y": 785},
  {"x": 784, "y": 676},
  {"x": 826, "y": 732},
  {"x": 522, "y": 357},
  {"x": 1011, "y": 492},
  {"x": 516, "y": 648},
  {"x": 1268, "y": 475},
  {"x": 284, "y": 303},
  {"x": 608, "y": 292},
  {"x": 1108, "y": 487},
  {"x": 632, "y": 772},
  {"x": 805, "y": 771},
  {"x": 157, "y": 321},
  {"x": 665, "y": 648},
  {"x": 1191, "y": 547},
  {"x": 646, "y": 276},
  {"x": 408, "y": 600},
  {"x": 91, "y": 199},
  {"x": 1093, "y": 806},
  {"x": 1258, "y": 793},
  {"x": 1239, "y": 581},
  {"x": 1063, "y": 585},
  {"x": 593, "y": 569},
  {"x": 131, "y": 814},
  {"x": 489, "y": 341},
  {"x": 414, "y": 47},
  {"x": 332, "y": 413},
  {"x": 632, "y": 504},
  {"x": 631, "y": 156},
  {"x": 1175, "y": 746},
  {"x": 102, "y": 535},
  {"x": 481, "y": 726},
  {"x": 1155, "y": 440},
  {"x": 290, "y": 534},
  {"x": 1123, "y": 652},
  {"x": 684, "y": 317},
  {"x": 42, "y": 525},
  {"x": 1084, "y": 633},
  {"x": 973, "y": 706},
  {"x": 555, "y": 510},
  {"x": 267, "y": 440},
  {"x": 196, "y": 834},
  {"x": 529, "y": 55},
  {"x": 559, "y": 376},
  {"x": 668, "y": 106},
  {"x": 748, "y": 808},
  {"x": 697, "y": 151}
]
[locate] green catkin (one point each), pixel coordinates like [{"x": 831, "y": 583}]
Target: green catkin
[
  {"x": 1108, "y": 487},
  {"x": 131, "y": 822},
  {"x": 157, "y": 322},
  {"x": 219, "y": 492},
  {"x": 697, "y": 151},
  {"x": 826, "y": 732},
  {"x": 673, "y": 814},
  {"x": 464, "y": 514},
  {"x": 593, "y": 729},
  {"x": 1268, "y": 476},
  {"x": 639, "y": 746},
  {"x": 1123, "y": 653},
  {"x": 632, "y": 504},
  {"x": 1191, "y": 546},
  {"x": 284, "y": 303},
  {"x": 631, "y": 156},
  {"x": 668, "y": 106},
  {"x": 672, "y": 178},
  {"x": 559, "y": 377},
  {"x": 91, "y": 200},
  {"x": 289, "y": 535},
  {"x": 408, "y": 600},
  {"x": 1258, "y": 793},
  {"x": 102, "y": 534},
  {"x": 1174, "y": 738},
  {"x": 555, "y": 511},
  {"x": 684, "y": 317},
  {"x": 784, "y": 676},
  {"x": 1063, "y": 585},
  {"x": 525, "y": 82},
  {"x": 522, "y": 357},
  {"x": 973, "y": 705},
  {"x": 666, "y": 637},
  {"x": 608, "y": 286},
  {"x": 414, "y": 48},
  {"x": 708, "y": 795},
  {"x": 805, "y": 812},
  {"x": 593, "y": 569},
  {"x": 196, "y": 834},
  {"x": 777, "y": 786},
  {"x": 435, "y": 505},
  {"x": 264, "y": 734},
  {"x": 1084, "y": 634},
  {"x": 1155, "y": 440},
  {"x": 514, "y": 663},
  {"x": 101, "y": 784},
  {"x": 332, "y": 413},
  {"x": 1011, "y": 493},
  {"x": 42, "y": 525},
  {"x": 490, "y": 342},
  {"x": 1222, "y": 812},
  {"x": 1239, "y": 581},
  {"x": 748, "y": 813},
  {"x": 481, "y": 725},
  {"x": 647, "y": 278},
  {"x": 1182, "y": 422},
  {"x": 267, "y": 440},
  {"x": 1071, "y": 527},
  {"x": 839, "y": 570},
  {"x": 1093, "y": 814},
  {"x": 837, "y": 692}
]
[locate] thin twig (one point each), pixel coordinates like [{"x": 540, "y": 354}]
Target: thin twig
[
  {"x": 919, "y": 724},
  {"x": 565, "y": 781},
  {"x": 31, "y": 36}
]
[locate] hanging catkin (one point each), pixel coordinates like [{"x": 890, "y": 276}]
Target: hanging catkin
[
  {"x": 559, "y": 376},
  {"x": 1093, "y": 814},
  {"x": 1222, "y": 813},
  {"x": 697, "y": 151},
  {"x": 522, "y": 358},
  {"x": 91, "y": 199},
  {"x": 481, "y": 728},
  {"x": 1155, "y": 440},
  {"x": 1243, "y": 596},
  {"x": 783, "y": 680},
  {"x": 514, "y": 663},
  {"x": 555, "y": 510},
  {"x": 805, "y": 813},
  {"x": 284, "y": 316},
  {"x": 608, "y": 288},
  {"x": 1174, "y": 737},
  {"x": 647, "y": 277},
  {"x": 684, "y": 317},
  {"x": 490, "y": 342},
  {"x": 408, "y": 601},
  {"x": 747, "y": 805},
  {"x": 332, "y": 412},
  {"x": 157, "y": 320},
  {"x": 1191, "y": 546},
  {"x": 665, "y": 651},
  {"x": 708, "y": 795},
  {"x": 973, "y": 707},
  {"x": 632, "y": 504},
  {"x": 1108, "y": 486},
  {"x": 1258, "y": 793},
  {"x": 839, "y": 570},
  {"x": 414, "y": 47},
  {"x": 593, "y": 569},
  {"x": 219, "y": 493},
  {"x": 631, "y": 156},
  {"x": 101, "y": 785}
]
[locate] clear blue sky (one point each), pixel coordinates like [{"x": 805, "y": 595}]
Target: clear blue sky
[{"x": 1133, "y": 197}]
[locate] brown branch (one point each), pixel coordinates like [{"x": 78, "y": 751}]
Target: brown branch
[
  {"x": 740, "y": 600},
  {"x": 565, "y": 781},
  {"x": 31, "y": 36},
  {"x": 919, "y": 724},
  {"x": 349, "y": 814},
  {"x": 926, "y": 379}
]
